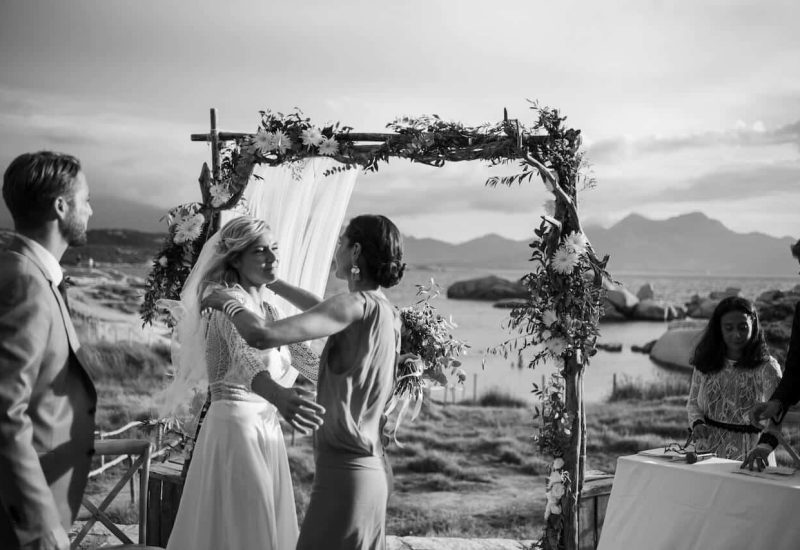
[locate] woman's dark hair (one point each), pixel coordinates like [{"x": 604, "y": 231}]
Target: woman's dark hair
[
  {"x": 795, "y": 248},
  {"x": 33, "y": 181},
  {"x": 381, "y": 247},
  {"x": 709, "y": 355}
]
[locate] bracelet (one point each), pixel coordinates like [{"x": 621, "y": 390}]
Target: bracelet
[
  {"x": 769, "y": 439},
  {"x": 232, "y": 307}
]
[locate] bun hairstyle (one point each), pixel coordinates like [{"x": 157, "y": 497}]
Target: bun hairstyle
[
  {"x": 709, "y": 355},
  {"x": 237, "y": 235},
  {"x": 381, "y": 247}
]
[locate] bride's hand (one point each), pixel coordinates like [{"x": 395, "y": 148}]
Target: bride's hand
[{"x": 297, "y": 407}]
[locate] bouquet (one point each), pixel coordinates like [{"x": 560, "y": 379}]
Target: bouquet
[{"x": 428, "y": 350}]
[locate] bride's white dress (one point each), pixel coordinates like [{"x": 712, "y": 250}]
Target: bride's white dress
[{"x": 238, "y": 491}]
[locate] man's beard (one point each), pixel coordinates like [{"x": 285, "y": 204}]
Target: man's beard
[{"x": 73, "y": 231}]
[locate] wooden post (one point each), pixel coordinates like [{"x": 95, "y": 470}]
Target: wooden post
[
  {"x": 214, "y": 138},
  {"x": 475, "y": 387},
  {"x": 574, "y": 458},
  {"x": 614, "y": 384}
]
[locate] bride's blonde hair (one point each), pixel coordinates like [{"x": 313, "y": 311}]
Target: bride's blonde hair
[{"x": 237, "y": 235}]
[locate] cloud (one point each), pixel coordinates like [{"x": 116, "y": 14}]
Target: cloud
[
  {"x": 742, "y": 135},
  {"x": 758, "y": 181}
]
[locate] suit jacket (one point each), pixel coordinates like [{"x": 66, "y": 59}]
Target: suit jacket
[
  {"x": 788, "y": 391},
  {"x": 47, "y": 404}
]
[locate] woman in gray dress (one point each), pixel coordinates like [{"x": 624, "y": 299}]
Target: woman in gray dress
[{"x": 356, "y": 381}]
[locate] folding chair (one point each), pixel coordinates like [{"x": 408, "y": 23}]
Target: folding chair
[{"x": 138, "y": 456}]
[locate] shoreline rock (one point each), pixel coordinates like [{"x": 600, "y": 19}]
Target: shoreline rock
[{"x": 489, "y": 288}]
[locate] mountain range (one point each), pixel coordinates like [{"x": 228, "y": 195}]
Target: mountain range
[{"x": 691, "y": 244}]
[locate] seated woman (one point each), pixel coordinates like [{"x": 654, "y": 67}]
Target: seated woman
[
  {"x": 238, "y": 491},
  {"x": 733, "y": 371},
  {"x": 347, "y": 510}
]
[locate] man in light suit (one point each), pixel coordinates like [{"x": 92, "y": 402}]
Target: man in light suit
[{"x": 47, "y": 398}]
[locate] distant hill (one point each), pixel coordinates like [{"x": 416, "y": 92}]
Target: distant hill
[
  {"x": 109, "y": 245},
  {"x": 114, "y": 212},
  {"x": 687, "y": 244}
]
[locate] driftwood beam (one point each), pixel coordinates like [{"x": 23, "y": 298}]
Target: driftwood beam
[{"x": 351, "y": 136}]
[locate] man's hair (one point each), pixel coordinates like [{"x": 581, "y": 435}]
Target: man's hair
[{"x": 33, "y": 181}]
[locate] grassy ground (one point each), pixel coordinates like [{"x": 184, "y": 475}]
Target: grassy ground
[{"x": 460, "y": 470}]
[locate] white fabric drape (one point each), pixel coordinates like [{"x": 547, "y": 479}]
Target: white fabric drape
[{"x": 305, "y": 210}]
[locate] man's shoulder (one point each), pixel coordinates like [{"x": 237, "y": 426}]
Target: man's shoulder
[{"x": 17, "y": 269}]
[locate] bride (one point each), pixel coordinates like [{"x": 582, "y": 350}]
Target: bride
[{"x": 238, "y": 490}]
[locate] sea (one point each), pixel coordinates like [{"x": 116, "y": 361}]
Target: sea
[{"x": 482, "y": 326}]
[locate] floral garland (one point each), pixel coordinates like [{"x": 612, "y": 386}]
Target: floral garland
[{"x": 559, "y": 321}]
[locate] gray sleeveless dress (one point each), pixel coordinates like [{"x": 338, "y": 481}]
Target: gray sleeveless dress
[{"x": 347, "y": 509}]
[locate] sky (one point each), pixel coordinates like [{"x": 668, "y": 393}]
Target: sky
[{"x": 684, "y": 106}]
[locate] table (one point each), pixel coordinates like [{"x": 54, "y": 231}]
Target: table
[{"x": 657, "y": 504}]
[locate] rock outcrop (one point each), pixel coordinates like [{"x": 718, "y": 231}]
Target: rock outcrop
[{"x": 491, "y": 288}]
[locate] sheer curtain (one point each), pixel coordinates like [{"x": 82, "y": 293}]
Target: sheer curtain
[{"x": 305, "y": 210}]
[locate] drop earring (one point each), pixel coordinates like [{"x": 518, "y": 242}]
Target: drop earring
[{"x": 355, "y": 273}]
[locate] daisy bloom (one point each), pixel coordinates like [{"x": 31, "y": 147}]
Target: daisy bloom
[
  {"x": 558, "y": 463},
  {"x": 556, "y": 346},
  {"x": 329, "y": 147},
  {"x": 189, "y": 228},
  {"x": 219, "y": 195},
  {"x": 577, "y": 241},
  {"x": 282, "y": 141},
  {"x": 312, "y": 137},
  {"x": 162, "y": 261},
  {"x": 549, "y": 317},
  {"x": 564, "y": 260},
  {"x": 264, "y": 141}
]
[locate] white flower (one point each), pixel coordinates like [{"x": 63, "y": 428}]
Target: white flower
[
  {"x": 264, "y": 141},
  {"x": 550, "y": 208},
  {"x": 189, "y": 229},
  {"x": 546, "y": 335},
  {"x": 312, "y": 137},
  {"x": 577, "y": 241},
  {"x": 555, "y": 477},
  {"x": 564, "y": 260},
  {"x": 549, "y": 317},
  {"x": 552, "y": 508},
  {"x": 558, "y": 463},
  {"x": 556, "y": 346},
  {"x": 162, "y": 261},
  {"x": 328, "y": 146},
  {"x": 557, "y": 490},
  {"x": 219, "y": 195},
  {"x": 282, "y": 141}
]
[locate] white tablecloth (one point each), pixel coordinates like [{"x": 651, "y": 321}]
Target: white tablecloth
[{"x": 656, "y": 504}]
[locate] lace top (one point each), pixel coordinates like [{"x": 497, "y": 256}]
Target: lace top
[
  {"x": 232, "y": 364},
  {"x": 727, "y": 396}
]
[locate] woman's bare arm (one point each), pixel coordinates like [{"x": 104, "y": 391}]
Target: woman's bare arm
[
  {"x": 327, "y": 318},
  {"x": 298, "y": 297}
]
